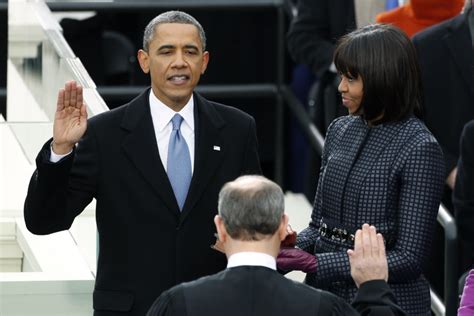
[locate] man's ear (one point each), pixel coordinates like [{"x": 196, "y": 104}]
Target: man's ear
[
  {"x": 144, "y": 61},
  {"x": 282, "y": 229},
  {"x": 221, "y": 231},
  {"x": 205, "y": 61}
]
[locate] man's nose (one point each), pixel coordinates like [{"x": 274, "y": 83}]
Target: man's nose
[{"x": 179, "y": 60}]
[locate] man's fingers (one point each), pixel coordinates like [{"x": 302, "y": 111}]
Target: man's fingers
[
  {"x": 367, "y": 247},
  {"x": 73, "y": 96},
  {"x": 381, "y": 245},
  {"x": 79, "y": 97},
  {"x": 373, "y": 241},
  {"x": 60, "y": 102},
  {"x": 84, "y": 112},
  {"x": 67, "y": 93},
  {"x": 351, "y": 253},
  {"x": 358, "y": 242}
]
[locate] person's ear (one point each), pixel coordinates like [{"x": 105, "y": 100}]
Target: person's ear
[
  {"x": 205, "y": 61},
  {"x": 282, "y": 229},
  {"x": 144, "y": 61},
  {"x": 221, "y": 231}
]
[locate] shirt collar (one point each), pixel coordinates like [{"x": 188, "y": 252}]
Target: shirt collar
[
  {"x": 162, "y": 114},
  {"x": 251, "y": 259}
]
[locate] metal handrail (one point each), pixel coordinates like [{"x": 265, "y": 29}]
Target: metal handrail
[
  {"x": 449, "y": 308},
  {"x": 315, "y": 138},
  {"x": 437, "y": 306},
  {"x": 451, "y": 260}
]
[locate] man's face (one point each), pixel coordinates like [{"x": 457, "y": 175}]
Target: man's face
[{"x": 175, "y": 61}]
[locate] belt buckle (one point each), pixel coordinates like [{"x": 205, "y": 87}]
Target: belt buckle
[
  {"x": 323, "y": 228},
  {"x": 339, "y": 234},
  {"x": 336, "y": 234}
]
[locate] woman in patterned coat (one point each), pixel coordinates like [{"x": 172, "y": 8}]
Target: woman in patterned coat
[{"x": 380, "y": 166}]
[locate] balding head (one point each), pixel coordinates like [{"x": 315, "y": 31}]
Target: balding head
[{"x": 251, "y": 207}]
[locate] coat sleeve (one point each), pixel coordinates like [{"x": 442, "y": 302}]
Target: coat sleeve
[
  {"x": 421, "y": 187},
  {"x": 58, "y": 192},
  {"x": 375, "y": 298},
  {"x": 463, "y": 195}
]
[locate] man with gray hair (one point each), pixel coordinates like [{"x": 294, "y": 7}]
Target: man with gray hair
[
  {"x": 155, "y": 167},
  {"x": 251, "y": 225}
]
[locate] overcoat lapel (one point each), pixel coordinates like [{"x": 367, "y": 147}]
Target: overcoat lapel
[
  {"x": 207, "y": 159},
  {"x": 140, "y": 146}
]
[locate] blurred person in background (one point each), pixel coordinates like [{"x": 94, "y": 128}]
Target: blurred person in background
[
  {"x": 446, "y": 57},
  {"x": 463, "y": 200},
  {"x": 416, "y": 15}
]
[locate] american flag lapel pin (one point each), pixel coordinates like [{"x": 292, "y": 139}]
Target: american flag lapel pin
[{"x": 217, "y": 148}]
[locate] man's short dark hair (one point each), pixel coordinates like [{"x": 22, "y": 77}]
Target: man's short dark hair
[
  {"x": 251, "y": 207},
  {"x": 171, "y": 17},
  {"x": 385, "y": 58}
]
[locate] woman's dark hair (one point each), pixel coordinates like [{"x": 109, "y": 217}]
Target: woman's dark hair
[{"x": 385, "y": 58}]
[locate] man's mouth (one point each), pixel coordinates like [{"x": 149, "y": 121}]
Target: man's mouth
[{"x": 178, "y": 79}]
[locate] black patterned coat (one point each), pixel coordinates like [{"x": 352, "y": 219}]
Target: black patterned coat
[{"x": 390, "y": 176}]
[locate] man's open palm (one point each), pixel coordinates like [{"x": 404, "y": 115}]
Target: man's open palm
[{"x": 70, "y": 121}]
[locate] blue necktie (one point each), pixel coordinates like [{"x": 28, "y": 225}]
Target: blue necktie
[{"x": 179, "y": 162}]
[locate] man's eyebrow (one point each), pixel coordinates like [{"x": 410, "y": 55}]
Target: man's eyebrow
[
  {"x": 191, "y": 46},
  {"x": 166, "y": 47},
  {"x": 187, "y": 46}
]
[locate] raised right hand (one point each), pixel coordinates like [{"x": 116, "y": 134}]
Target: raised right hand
[{"x": 70, "y": 119}]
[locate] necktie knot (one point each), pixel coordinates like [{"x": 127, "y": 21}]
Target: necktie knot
[{"x": 176, "y": 121}]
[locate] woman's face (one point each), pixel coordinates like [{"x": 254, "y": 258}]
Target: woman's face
[{"x": 352, "y": 91}]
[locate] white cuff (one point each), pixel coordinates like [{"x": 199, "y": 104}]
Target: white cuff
[{"x": 55, "y": 157}]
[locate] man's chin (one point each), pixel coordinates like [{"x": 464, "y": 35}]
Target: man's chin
[{"x": 180, "y": 99}]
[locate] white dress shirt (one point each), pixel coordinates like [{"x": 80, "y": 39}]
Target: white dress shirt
[
  {"x": 251, "y": 259},
  {"x": 161, "y": 116}
]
